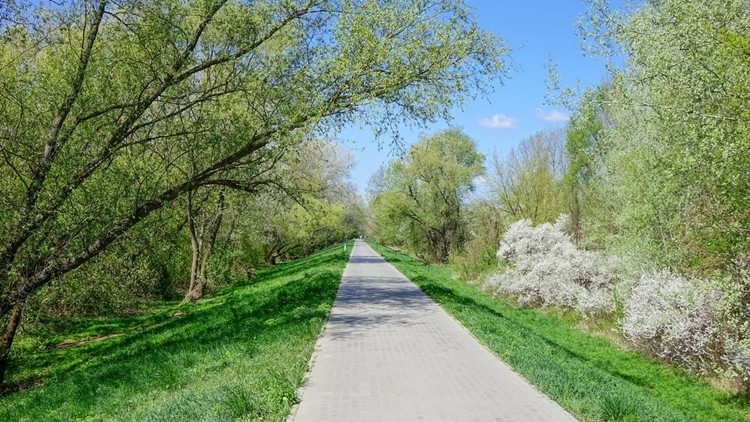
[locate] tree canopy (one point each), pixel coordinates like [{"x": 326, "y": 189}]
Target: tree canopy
[
  {"x": 418, "y": 199},
  {"x": 678, "y": 127},
  {"x": 112, "y": 111}
]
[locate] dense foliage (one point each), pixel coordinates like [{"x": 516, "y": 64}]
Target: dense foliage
[
  {"x": 677, "y": 135},
  {"x": 656, "y": 177},
  {"x": 669, "y": 175},
  {"x": 125, "y": 125},
  {"x": 418, "y": 200}
]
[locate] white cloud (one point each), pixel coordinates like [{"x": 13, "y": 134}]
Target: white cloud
[
  {"x": 498, "y": 121},
  {"x": 551, "y": 116}
]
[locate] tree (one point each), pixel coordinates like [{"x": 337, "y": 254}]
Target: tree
[
  {"x": 103, "y": 103},
  {"x": 299, "y": 228},
  {"x": 585, "y": 150},
  {"x": 203, "y": 233},
  {"x": 678, "y": 151},
  {"x": 422, "y": 193},
  {"x": 680, "y": 128},
  {"x": 526, "y": 183},
  {"x": 485, "y": 228},
  {"x": 318, "y": 196}
]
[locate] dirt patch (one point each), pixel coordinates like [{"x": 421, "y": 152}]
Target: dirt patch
[
  {"x": 80, "y": 342},
  {"x": 7, "y": 389},
  {"x": 73, "y": 343}
]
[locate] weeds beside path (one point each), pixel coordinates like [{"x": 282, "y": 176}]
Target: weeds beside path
[
  {"x": 586, "y": 375},
  {"x": 237, "y": 356}
]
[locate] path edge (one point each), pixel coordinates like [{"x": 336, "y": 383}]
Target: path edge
[
  {"x": 292, "y": 415},
  {"x": 484, "y": 346}
]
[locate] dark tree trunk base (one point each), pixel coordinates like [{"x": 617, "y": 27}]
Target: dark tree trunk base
[{"x": 6, "y": 341}]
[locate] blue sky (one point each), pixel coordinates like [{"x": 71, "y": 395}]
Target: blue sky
[{"x": 535, "y": 30}]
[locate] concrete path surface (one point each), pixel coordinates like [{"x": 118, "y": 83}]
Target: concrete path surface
[{"x": 389, "y": 353}]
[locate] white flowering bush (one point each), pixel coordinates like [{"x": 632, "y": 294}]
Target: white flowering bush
[
  {"x": 736, "y": 357},
  {"x": 735, "y": 321},
  {"x": 546, "y": 269},
  {"x": 691, "y": 322},
  {"x": 674, "y": 318},
  {"x": 700, "y": 325}
]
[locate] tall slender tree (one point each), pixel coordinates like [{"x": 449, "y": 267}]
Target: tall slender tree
[{"x": 423, "y": 193}]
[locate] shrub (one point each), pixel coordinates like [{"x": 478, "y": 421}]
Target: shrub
[
  {"x": 547, "y": 269},
  {"x": 674, "y": 318},
  {"x": 735, "y": 323},
  {"x": 735, "y": 362},
  {"x": 477, "y": 257},
  {"x": 697, "y": 324}
]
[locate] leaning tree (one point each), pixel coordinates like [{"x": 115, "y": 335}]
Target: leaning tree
[{"x": 111, "y": 110}]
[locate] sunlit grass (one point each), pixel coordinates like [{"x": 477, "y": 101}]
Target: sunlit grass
[
  {"x": 240, "y": 355},
  {"x": 587, "y": 375}
]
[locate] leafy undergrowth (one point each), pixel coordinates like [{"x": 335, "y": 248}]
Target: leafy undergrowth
[
  {"x": 587, "y": 375},
  {"x": 237, "y": 356}
]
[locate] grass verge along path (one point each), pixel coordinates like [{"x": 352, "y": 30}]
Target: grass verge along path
[
  {"x": 586, "y": 375},
  {"x": 237, "y": 356}
]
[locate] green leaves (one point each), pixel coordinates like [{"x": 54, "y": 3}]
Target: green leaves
[
  {"x": 100, "y": 129},
  {"x": 418, "y": 199},
  {"x": 678, "y": 140},
  {"x": 182, "y": 95}
]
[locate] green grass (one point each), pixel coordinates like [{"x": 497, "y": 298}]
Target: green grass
[
  {"x": 240, "y": 355},
  {"x": 587, "y": 375}
]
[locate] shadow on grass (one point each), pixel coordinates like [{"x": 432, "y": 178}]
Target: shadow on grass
[
  {"x": 289, "y": 268},
  {"x": 286, "y": 303},
  {"x": 446, "y": 295}
]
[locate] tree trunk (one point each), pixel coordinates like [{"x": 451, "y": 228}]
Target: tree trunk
[
  {"x": 207, "y": 249},
  {"x": 193, "y": 287},
  {"x": 438, "y": 240},
  {"x": 6, "y": 341},
  {"x": 202, "y": 248},
  {"x": 196, "y": 293},
  {"x": 575, "y": 216},
  {"x": 271, "y": 257},
  {"x": 195, "y": 244}
]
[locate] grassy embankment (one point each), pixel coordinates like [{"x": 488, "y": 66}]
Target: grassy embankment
[
  {"x": 237, "y": 356},
  {"x": 587, "y": 375}
]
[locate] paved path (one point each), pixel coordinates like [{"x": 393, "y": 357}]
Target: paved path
[{"x": 390, "y": 354}]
